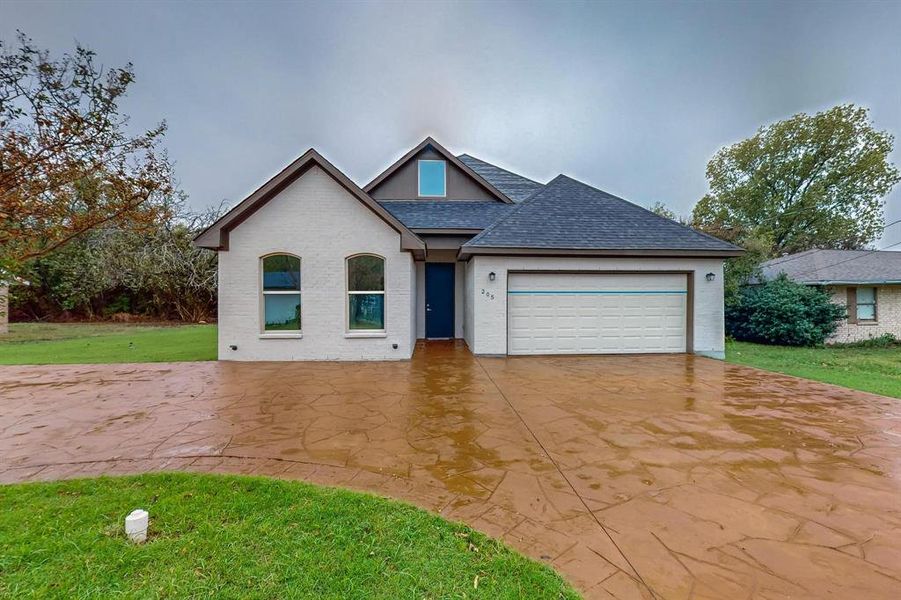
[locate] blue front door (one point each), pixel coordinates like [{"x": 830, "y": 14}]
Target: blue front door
[{"x": 439, "y": 300}]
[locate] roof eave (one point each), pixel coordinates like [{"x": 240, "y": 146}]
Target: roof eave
[
  {"x": 446, "y": 230},
  {"x": 850, "y": 282},
  {"x": 467, "y": 251}
]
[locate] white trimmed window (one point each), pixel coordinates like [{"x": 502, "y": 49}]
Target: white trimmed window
[
  {"x": 280, "y": 284},
  {"x": 866, "y": 304},
  {"x": 366, "y": 293},
  {"x": 432, "y": 178}
]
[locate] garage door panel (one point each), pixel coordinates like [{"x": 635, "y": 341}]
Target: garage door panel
[{"x": 591, "y": 313}]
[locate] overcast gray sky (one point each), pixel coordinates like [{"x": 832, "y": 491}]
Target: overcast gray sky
[{"x": 633, "y": 98}]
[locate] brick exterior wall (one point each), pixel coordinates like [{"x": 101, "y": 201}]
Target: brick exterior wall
[
  {"x": 319, "y": 221},
  {"x": 888, "y": 315},
  {"x": 486, "y": 314}
]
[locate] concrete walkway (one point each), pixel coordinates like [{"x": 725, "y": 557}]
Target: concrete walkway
[{"x": 636, "y": 477}]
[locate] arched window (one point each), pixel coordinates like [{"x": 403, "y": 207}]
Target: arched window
[
  {"x": 280, "y": 278},
  {"x": 365, "y": 293}
]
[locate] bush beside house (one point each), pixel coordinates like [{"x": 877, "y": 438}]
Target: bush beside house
[{"x": 783, "y": 312}]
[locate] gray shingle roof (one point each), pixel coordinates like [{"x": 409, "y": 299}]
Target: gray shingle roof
[
  {"x": 836, "y": 266},
  {"x": 568, "y": 214},
  {"x": 516, "y": 187},
  {"x": 428, "y": 214}
]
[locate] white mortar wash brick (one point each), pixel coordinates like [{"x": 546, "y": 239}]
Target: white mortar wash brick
[
  {"x": 322, "y": 223},
  {"x": 487, "y": 332}
]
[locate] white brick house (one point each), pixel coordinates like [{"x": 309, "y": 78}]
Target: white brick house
[
  {"x": 866, "y": 282},
  {"x": 313, "y": 267}
]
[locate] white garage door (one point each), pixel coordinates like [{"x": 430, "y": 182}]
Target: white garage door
[{"x": 592, "y": 313}]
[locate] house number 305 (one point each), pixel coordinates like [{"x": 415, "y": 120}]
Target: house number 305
[{"x": 488, "y": 295}]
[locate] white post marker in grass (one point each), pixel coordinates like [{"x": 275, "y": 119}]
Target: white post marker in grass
[{"x": 136, "y": 525}]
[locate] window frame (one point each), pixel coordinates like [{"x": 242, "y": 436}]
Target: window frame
[
  {"x": 419, "y": 193},
  {"x": 874, "y": 304},
  {"x": 275, "y": 333},
  {"x": 348, "y": 331}
]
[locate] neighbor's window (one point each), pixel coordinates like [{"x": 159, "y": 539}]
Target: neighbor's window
[
  {"x": 866, "y": 304},
  {"x": 281, "y": 293},
  {"x": 432, "y": 180},
  {"x": 366, "y": 293}
]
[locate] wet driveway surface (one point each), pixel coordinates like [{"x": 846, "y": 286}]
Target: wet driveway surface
[{"x": 653, "y": 477}]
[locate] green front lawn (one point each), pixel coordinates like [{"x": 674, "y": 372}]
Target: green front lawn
[
  {"x": 245, "y": 537},
  {"x": 54, "y": 343},
  {"x": 876, "y": 370}
]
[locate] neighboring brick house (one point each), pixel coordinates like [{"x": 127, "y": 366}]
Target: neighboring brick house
[
  {"x": 867, "y": 282},
  {"x": 314, "y": 267}
]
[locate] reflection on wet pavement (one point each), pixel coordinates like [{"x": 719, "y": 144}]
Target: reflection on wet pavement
[{"x": 636, "y": 477}]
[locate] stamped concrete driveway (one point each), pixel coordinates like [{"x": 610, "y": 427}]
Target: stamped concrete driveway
[{"x": 651, "y": 477}]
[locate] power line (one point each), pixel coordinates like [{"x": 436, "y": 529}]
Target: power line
[
  {"x": 841, "y": 262},
  {"x": 790, "y": 258}
]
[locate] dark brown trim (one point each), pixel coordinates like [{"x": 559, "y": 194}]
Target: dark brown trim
[
  {"x": 215, "y": 236},
  {"x": 461, "y": 231},
  {"x": 689, "y": 312},
  {"x": 857, "y": 320},
  {"x": 875, "y": 304},
  {"x": 429, "y": 141},
  {"x": 591, "y": 271},
  {"x": 476, "y": 250},
  {"x": 852, "y": 305},
  {"x": 855, "y": 283}
]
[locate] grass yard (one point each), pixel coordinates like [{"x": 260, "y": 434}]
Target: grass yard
[
  {"x": 56, "y": 343},
  {"x": 876, "y": 370},
  {"x": 246, "y": 537}
]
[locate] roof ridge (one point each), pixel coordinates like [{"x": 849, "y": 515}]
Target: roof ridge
[
  {"x": 790, "y": 257},
  {"x": 608, "y": 194},
  {"x": 501, "y": 168}
]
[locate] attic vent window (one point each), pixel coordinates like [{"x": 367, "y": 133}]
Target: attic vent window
[{"x": 432, "y": 178}]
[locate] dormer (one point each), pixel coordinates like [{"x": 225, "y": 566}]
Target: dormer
[{"x": 430, "y": 173}]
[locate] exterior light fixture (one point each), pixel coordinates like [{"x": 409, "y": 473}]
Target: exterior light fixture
[
  {"x": 710, "y": 276},
  {"x": 492, "y": 276}
]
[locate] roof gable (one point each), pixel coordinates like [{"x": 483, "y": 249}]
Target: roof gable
[
  {"x": 215, "y": 236},
  {"x": 568, "y": 215},
  {"x": 430, "y": 144}
]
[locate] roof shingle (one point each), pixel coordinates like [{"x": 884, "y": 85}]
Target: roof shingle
[
  {"x": 428, "y": 214},
  {"x": 516, "y": 187},
  {"x": 836, "y": 266},
  {"x": 568, "y": 214}
]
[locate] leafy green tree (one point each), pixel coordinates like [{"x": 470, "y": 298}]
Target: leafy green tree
[
  {"x": 806, "y": 182},
  {"x": 661, "y": 209}
]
